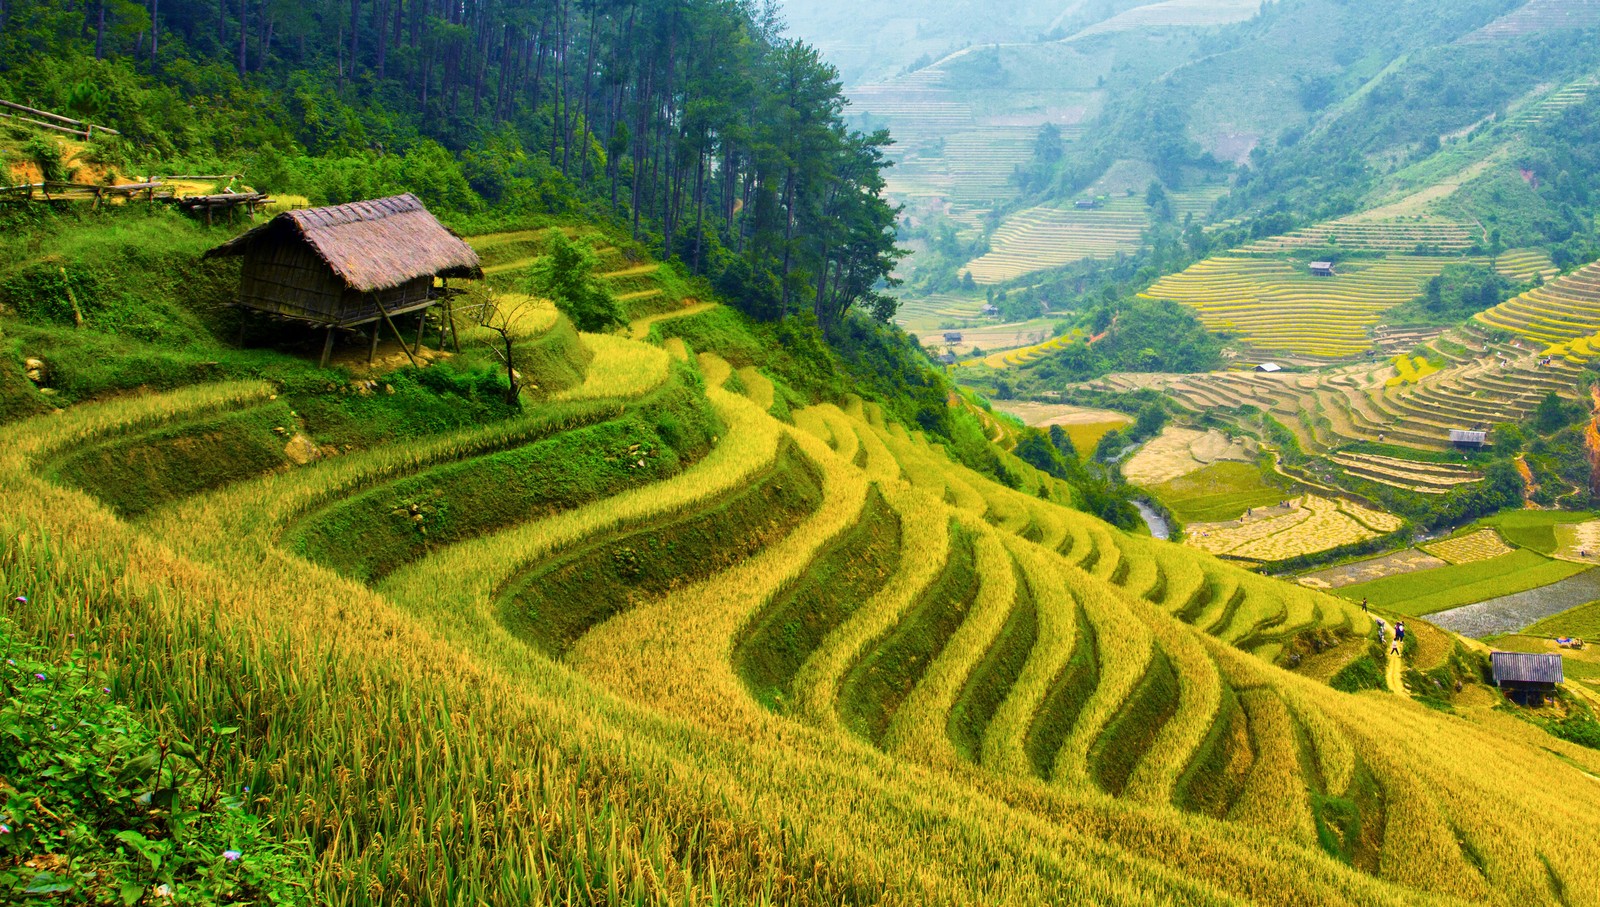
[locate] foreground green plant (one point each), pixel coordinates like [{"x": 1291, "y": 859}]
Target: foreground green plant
[{"x": 98, "y": 808}]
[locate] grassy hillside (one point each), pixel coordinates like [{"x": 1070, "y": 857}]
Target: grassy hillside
[{"x": 693, "y": 623}]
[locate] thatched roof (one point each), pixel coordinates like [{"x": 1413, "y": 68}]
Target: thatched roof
[
  {"x": 372, "y": 245},
  {"x": 1521, "y": 667}
]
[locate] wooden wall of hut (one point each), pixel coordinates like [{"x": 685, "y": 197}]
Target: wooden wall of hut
[{"x": 288, "y": 279}]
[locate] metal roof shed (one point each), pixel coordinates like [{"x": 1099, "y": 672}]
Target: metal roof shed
[{"x": 1526, "y": 677}]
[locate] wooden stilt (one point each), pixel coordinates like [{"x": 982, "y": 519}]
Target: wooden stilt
[
  {"x": 397, "y": 335},
  {"x": 327, "y": 349},
  {"x": 372, "y": 348},
  {"x": 422, "y": 322}
]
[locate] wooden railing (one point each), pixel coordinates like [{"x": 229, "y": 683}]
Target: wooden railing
[{"x": 60, "y": 123}]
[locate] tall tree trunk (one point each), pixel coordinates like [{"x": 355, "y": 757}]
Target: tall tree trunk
[
  {"x": 355, "y": 34},
  {"x": 100, "y": 34},
  {"x": 818, "y": 307},
  {"x": 155, "y": 30},
  {"x": 699, "y": 201},
  {"x": 588, "y": 79},
  {"x": 788, "y": 235},
  {"x": 564, "y": 91},
  {"x": 244, "y": 34},
  {"x": 380, "y": 17},
  {"x": 640, "y": 136},
  {"x": 266, "y": 42}
]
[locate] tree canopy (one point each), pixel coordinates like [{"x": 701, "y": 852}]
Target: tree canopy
[{"x": 718, "y": 140}]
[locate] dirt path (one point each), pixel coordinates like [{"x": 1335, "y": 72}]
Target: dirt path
[{"x": 1394, "y": 675}]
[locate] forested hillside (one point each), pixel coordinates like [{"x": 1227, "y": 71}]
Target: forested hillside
[{"x": 718, "y": 140}]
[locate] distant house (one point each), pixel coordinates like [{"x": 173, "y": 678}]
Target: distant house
[
  {"x": 1269, "y": 367},
  {"x": 1322, "y": 268},
  {"x": 348, "y": 265},
  {"x": 1466, "y": 438},
  {"x": 991, "y": 310},
  {"x": 1086, "y": 204},
  {"x": 952, "y": 336},
  {"x": 1526, "y": 678}
]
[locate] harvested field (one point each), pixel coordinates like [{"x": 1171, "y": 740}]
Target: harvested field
[
  {"x": 1479, "y": 546},
  {"x": 1410, "y": 560},
  {"x": 1578, "y": 542},
  {"x": 1176, "y": 452},
  {"x": 1306, "y": 525}
]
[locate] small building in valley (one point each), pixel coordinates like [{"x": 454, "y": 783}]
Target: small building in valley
[
  {"x": 952, "y": 336},
  {"x": 1269, "y": 367},
  {"x": 1322, "y": 269},
  {"x": 347, "y": 265},
  {"x": 1526, "y": 678},
  {"x": 1086, "y": 204},
  {"x": 1468, "y": 438}
]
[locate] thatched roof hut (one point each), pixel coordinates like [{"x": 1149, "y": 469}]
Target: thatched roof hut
[{"x": 348, "y": 264}]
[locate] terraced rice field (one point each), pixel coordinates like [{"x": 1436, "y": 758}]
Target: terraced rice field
[
  {"x": 1331, "y": 409},
  {"x": 1526, "y": 265},
  {"x": 1539, "y": 16},
  {"x": 1043, "y": 238},
  {"x": 1410, "y": 370},
  {"x": 927, "y": 313},
  {"x": 1177, "y": 14},
  {"x": 1409, "y": 236},
  {"x": 1410, "y": 475},
  {"x": 1277, "y": 305},
  {"x": 1561, "y": 311},
  {"x": 1304, "y": 525},
  {"x": 831, "y": 612},
  {"x": 1024, "y": 355}
]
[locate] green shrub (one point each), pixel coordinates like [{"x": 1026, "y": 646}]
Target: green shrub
[{"x": 122, "y": 811}]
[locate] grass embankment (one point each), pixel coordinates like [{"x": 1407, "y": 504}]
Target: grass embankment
[
  {"x": 875, "y": 688},
  {"x": 797, "y": 621},
  {"x": 1442, "y": 588},
  {"x": 554, "y": 604},
  {"x": 1221, "y": 491},
  {"x": 399, "y": 521},
  {"x": 136, "y": 473}
]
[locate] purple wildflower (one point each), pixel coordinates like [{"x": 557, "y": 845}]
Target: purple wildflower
[
  {"x": 40, "y": 677},
  {"x": 5, "y": 829},
  {"x": 231, "y": 855},
  {"x": 22, "y": 599}
]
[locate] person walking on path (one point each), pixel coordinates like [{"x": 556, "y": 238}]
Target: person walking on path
[
  {"x": 1381, "y": 627},
  {"x": 1363, "y": 604},
  {"x": 1399, "y": 639}
]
